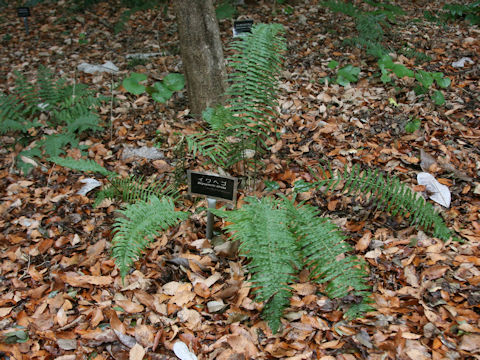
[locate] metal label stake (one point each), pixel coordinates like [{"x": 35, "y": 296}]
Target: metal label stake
[{"x": 212, "y": 204}]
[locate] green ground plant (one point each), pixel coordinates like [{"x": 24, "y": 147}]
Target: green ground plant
[
  {"x": 148, "y": 209},
  {"x": 279, "y": 239},
  {"x": 370, "y": 27},
  {"x": 47, "y": 116},
  {"x": 160, "y": 91},
  {"x": 388, "y": 193},
  {"x": 469, "y": 12},
  {"x": 244, "y": 124}
]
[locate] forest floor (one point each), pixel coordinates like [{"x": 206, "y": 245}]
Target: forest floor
[{"x": 61, "y": 295}]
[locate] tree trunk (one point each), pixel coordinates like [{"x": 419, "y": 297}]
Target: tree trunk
[{"x": 201, "y": 52}]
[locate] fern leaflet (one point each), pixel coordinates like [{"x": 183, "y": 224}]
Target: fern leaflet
[
  {"x": 139, "y": 224},
  {"x": 389, "y": 194}
]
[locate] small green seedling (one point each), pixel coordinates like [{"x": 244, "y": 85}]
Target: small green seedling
[
  {"x": 413, "y": 125},
  {"x": 347, "y": 74},
  {"x": 161, "y": 91}
]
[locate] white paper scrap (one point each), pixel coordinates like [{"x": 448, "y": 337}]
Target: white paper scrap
[
  {"x": 90, "y": 184},
  {"x": 183, "y": 353},
  {"x": 461, "y": 63},
  {"x": 437, "y": 192},
  {"x": 108, "y": 67}
]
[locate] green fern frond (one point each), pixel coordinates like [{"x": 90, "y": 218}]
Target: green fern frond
[
  {"x": 256, "y": 64},
  {"x": 279, "y": 239},
  {"x": 55, "y": 144},
  {"x": 137, "y": 227},
  {"x": 212, "y": 146},
  {"x": 48, "y": 88},
  {"x": 133, "y": 188},
  {"x": 322, "y": 245},
  {"x": 265, "y": 240},
  {"x": 250, "y": 116},
  {"x": 71, "y": 109},
  {"x": 85, "y": 122},
  {"x": 26, "y": 91},
  {"x": 82, "y": 165},
  {"x": 388, "y": 193}
]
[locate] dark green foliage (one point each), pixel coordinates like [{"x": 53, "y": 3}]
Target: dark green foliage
[
  {"x": 321, "y": 243},
  {"x": 133, "y": 188},
  {"x": 388, "y": 193},
  {"x": 279, "y": 239},
  {"x": 469, "y": 12},
  {"x": 249, "y": 118},
  {"x": 253, "y": 90},
  {"x": 369, "y": 23},
  {"x": 68, "y": 109},
  {"x": 82, "y": 165},
  {"x": 138, "y": 225},
  {"x": 419, "y": 56},
  {"x": 225, "y": 10}
]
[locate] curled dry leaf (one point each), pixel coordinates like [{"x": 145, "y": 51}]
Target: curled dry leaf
[
  {"x": 437, "y": 192},
  {"x": 137, "y": 352}
]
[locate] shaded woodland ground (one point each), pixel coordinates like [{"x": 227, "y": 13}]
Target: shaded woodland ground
[{"x": 61, "y": 296}]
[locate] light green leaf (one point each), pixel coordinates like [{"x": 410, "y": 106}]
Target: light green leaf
[
  {"x": 161, "y": 93},
  {"x": 174, "y": 81},
  {"x": 443, "y": 82},
  {"x": 438, "y": 98},
  {"x": 332, "y": 64},
  {"x": 425, "y": 78},
  {"x": 413, "y": 125},
  {"x": 347, "y": 74},
  {"x": 401, "y": 71},
  {"x": 132, "y": 83},
  {"x": 385, "y": 77},
  {"x": 386, "y": 61}
]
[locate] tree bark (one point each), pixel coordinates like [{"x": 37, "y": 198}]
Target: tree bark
[{"x": 202, "y": 53}]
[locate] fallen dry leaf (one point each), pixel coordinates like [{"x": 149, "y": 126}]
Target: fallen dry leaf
[{"x": 137, "y": 352}]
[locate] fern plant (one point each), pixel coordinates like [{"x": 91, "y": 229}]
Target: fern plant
[
  {"x": 149, "y": 209},
  {"x": 129, "y": 189},
  {"x": 67, "y": 111},
  {"x": 279, "y": 239},
  {"x": 248, "y": 119},
  {"x": 139, "y": 224},
  {"x": 389, "y": 193},
  {"x": 134, "y": 188}
]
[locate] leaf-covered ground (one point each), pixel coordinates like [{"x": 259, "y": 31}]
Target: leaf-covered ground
[{"x": 61, "y": 296}]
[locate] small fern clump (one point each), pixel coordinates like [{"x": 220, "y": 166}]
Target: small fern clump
[
  {"x": 67, "y": 111},
  {"x": 129, "y": 189},
  {"x": 149, "y": 209},
  {"x": 139, "y": 224},
  {"x": 389, "y": 193},
  {"x": 248, "y": 119},
  {"x": 134, "y": 188},
  {"x": 279, "y": 239}
]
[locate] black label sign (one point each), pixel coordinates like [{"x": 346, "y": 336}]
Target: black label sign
[
  {"x": 23, "y": 11},
  {"x": 212, "y": 186},
  {"x": 242, "y": 27}
]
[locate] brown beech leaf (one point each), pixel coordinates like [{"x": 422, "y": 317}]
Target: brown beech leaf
[
  {"x": 243, "y": 345},
  {"x": 191, "y": 318},
  {"x": 470, "y": 342},
  {"x": 137, "y": 352},
  {"x": 76, "y": 280},
  {"x": 130, "y": 306},
  {"x": 364, "y": 242}
]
